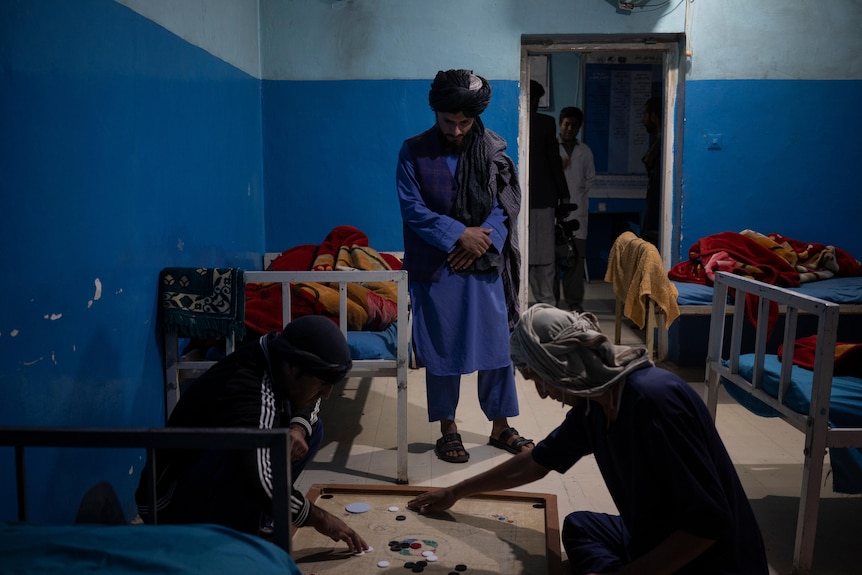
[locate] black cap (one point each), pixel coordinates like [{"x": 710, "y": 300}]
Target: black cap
[{"x": 316, "y": 345}]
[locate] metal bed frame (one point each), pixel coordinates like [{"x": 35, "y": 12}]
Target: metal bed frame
[
  {"x": 723, "y": 364},
  {"x": 397, "y": 368},
  {"x": 276, "y": 440}
]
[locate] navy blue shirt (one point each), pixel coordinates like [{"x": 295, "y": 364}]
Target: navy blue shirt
[{"x": 666, "y": 469}]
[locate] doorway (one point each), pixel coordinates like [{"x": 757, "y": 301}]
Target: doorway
[{"x": 609, "y": 78}]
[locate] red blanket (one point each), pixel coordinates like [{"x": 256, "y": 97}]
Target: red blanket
[
  {"x": 773, "y": 259},
  {"x": 848, "y": 356},
  {"x": 734, "y": 253},
  {"x": 370, "y": 306}
]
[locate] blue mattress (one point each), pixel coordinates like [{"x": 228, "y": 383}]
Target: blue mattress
[
  {"x": 137, "y": 549},
  {"x": 840, "y": 290},
  {"x": 374, "y": 344},
  {"x": 845, "y": 410},
  {"x": 363, "y": 345}
]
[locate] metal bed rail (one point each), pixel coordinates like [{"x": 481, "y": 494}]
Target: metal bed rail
[
  {"x": 723, "y": 363},
  {"x": 276, "y": 440}
]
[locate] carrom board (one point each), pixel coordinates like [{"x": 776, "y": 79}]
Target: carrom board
[{"x": 500, "y": 533}]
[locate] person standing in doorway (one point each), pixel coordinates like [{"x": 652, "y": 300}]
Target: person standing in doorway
[
  {"x": 652, "y": 162},
  {"x": 580, "y": 171},
  {"x": 547, "y": 191},
  {"x": 459, "y": 197}
]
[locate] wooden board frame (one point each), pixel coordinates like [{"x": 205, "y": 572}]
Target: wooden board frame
[{"x": 545, "y": 501}]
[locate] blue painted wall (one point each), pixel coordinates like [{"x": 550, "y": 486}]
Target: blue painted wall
[
  {"x": 330, "y": 151},
  {"x": 788, "y": 162},
  {"x": 123, "y": 150}
]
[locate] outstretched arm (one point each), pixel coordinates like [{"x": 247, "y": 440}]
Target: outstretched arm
[
  {"x": 334, "y": 528},
  {"x": 516, "y": 471}
]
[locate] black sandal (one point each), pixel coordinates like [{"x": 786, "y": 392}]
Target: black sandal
[
  {"x": 503, "y": 441},
  {"x": 451, "y": 442}
]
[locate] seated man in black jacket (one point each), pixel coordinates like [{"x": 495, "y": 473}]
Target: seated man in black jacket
[{"x": 275, "y": 381}]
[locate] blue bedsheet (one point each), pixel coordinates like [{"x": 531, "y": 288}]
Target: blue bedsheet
[
  {"x": 845, "y": 410},
  {"x": 137, "y": 549},
  {"x": 363, "y": 345},
  {"x": 841, "y": 290},
  {"x": 374, "y": 344}
]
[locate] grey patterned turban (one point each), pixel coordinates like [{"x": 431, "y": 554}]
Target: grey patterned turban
[{"x": 569, "y": 351}]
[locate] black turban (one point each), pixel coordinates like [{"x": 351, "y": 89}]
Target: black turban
[
  {"x": 455, "y": 91},
  {"x": 316, "y": 345}
]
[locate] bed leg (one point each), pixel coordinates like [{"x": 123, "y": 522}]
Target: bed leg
[
  {"x": 713, "y": 381},
  {"x": 651, "y": 325},
  {"x": 401, "y": 427},
  {"x": 809, "y": 499},
  {"x": 618, "y": 321},
  {"x": 661, "y": 338},
  {"x": 172, "y": 372}
]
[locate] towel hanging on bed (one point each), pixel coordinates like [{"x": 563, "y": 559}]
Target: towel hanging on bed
[
  {"x": 637, "y": 273},
  {"x": 203, "y": 303}
]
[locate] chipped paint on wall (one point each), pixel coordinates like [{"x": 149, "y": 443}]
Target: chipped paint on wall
[
  {"x": 53, "y": 316},
  {"x": 98, "y": 295}
]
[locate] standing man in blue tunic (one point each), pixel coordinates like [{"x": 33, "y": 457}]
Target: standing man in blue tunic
[
  {"x": 682, "y": 508},
  {"x": 460, "y": 198}
]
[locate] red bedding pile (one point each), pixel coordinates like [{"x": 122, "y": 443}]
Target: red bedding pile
[
  {"x": 773, "y": 259},
  {"x": 371, "y": 306}
]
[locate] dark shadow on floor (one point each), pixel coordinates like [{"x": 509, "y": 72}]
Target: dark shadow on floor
[
  {"x": 837, "y": 545},
  {"x": 341, "y": 415}
]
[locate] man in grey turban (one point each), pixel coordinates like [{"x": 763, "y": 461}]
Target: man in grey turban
[
  {"x": 459, "y": 198},
  {"x": 681, "y": 505}
]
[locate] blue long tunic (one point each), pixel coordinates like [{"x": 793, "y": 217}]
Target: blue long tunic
[
  {"x": 460, "y": 322},
  {"x": 666, "y": 468}
]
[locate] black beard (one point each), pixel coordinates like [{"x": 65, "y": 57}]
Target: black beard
[{"x": 455, "y": 148}]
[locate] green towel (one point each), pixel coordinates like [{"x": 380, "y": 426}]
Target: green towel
[{"x": 203, "y": 303}]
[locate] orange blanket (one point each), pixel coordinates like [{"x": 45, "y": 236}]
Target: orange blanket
[{"x": 370, "y": 306}]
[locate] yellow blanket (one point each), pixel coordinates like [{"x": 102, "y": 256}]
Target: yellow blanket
[
  {"x": 370, "y": 306},
  {"x": 636, "y": 272}
]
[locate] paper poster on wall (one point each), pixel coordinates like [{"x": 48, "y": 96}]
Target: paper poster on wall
[{"x": 616, "y": 87}]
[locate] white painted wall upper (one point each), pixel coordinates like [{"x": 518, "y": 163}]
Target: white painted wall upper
[
  {"x": 398, "y": 39},
  {"x": 798, "y": 40},
  {"x": 227, "y": 29}
]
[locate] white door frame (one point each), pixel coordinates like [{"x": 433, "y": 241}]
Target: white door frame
[{"x": 672, "y": 48}]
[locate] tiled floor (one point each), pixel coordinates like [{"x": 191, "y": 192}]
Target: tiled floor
[{"x": 360, "y": 449}]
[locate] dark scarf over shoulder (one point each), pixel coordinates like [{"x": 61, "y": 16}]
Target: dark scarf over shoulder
[
  {"x": 486, "y": 173},
  {"x": 474, "y": 200}
]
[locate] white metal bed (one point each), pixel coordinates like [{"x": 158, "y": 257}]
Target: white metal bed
[
  {"x": 396, "y": 367},
  {"x": 774, "y": 390}
]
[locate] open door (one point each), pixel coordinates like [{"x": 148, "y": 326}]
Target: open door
[{"x": 610, "y": 79}]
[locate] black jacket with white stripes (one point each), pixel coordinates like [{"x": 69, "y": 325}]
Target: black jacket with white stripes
[{"x": 236, "y": 392}]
